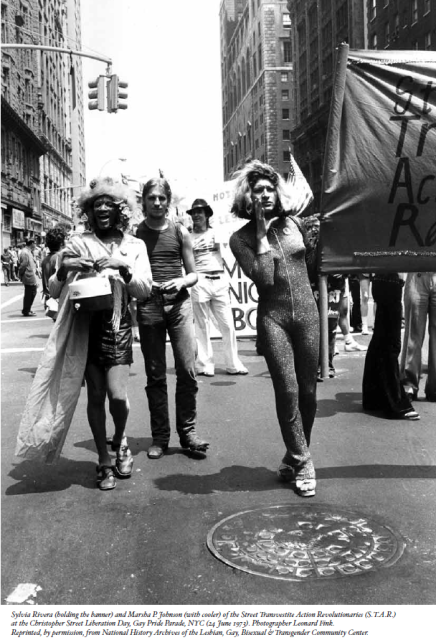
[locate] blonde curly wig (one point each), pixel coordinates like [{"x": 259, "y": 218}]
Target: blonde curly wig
[
  {"x": 123, "y": 197},
  {"x": 246, "y": 179}
]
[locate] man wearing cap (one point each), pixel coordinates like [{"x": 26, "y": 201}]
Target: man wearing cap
[{"x": 211, "y": 295}]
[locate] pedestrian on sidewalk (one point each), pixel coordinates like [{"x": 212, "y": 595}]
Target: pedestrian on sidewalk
[
  {"x": 169, "y": 310},
  {"x": 359, "y": 290},
  {"x": 210, "y": 296},
  {"x": 97, "y": 344},
  {"x": 7, "y": 262},
  {"x": 419, "y": 306},
  {"x": 381, "y": 386},
  {"x": 27, "y": 271},
  {"x": 14, "y": 265},
  {"x": 350, "y": 344},
  {"x": 270, "y": 250}
]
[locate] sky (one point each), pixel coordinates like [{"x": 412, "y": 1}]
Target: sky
[{"x": 169, "y": 53}]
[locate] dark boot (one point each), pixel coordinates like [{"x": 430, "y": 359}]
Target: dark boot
[{"x": 192, "y": 442}]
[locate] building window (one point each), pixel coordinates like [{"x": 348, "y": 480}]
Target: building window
[
  {"x": 387, "y": 34},
  {"x": 286, "y": 21},
  {"x": 285, "y": 114},
  {"x": 285, "y": 94},
  {"x": 414, "y": 11},
  {"x": 284, "y": 76},
  {"x": 396, "y": 25},
  {"x": 286, "y": 134},
  {"x": 286, "y": 155},
  {"x": 259, "y": 53},
  {"x": 374, "y": 41},
  {"x": 427, "y": 41},
  {"x": 4, "y": 20},
  {"x": 5, "y": 82},
  {"x": 426, "y": 6},
  {"x": 372, "y": 9},
  {"x": 287, "y": 52},
  {"x": 7, "y": 224}
]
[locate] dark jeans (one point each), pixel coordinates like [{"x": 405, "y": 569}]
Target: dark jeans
[
  {"x": 6, "y": 273},
  {"x": 381, "y": 388},
  {"x": 155, "y": 318},
  {"x": 30, "y": 291}
]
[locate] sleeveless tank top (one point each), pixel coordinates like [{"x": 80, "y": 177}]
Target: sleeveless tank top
[{"x": 164, "y": 250}]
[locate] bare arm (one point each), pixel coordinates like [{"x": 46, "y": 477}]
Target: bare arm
[{"x": 190, "y": 277}]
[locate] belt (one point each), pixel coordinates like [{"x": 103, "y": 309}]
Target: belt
[{"x": 213, "y": 275}]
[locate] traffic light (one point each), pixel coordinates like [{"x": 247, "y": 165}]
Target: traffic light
[
  {"x": 114, "y": 95},
  {"x": 97, "y": 95}
]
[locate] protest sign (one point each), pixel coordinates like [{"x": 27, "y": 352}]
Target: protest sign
[{"x": 243, "y": 292}]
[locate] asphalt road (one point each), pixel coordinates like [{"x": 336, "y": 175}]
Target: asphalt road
[{"x": 145, "y": 542}]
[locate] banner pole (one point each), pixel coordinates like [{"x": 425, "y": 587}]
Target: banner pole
[
  {"x": 330, "y": 169},
  {"x": 331, "y": 155},
  {"x": 323, "y": 319}
]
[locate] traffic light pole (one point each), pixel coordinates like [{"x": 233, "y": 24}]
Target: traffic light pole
[
  {"x": 114, "y": 84},
  {"x": 73, "y": 52}
]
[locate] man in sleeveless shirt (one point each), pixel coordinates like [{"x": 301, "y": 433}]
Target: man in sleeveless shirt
[
  {"x": 168, "y": 310},
  {"x": 210, "y": 296}
]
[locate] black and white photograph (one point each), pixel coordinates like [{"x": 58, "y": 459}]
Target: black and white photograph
[{"x": 218, "y": 318}]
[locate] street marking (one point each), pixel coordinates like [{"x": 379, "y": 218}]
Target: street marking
[
  {"x": 23, "y": 592},
  {"x": 25, "y": 320},
  {"x": 27, "y": 349},
  {"x": 22, "y": 349},
  {"x": 11, "y": 301}
]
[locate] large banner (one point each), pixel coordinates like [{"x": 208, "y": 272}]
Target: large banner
[
  {"x": 243, "y": 292},
  {"x": 378, "y": 209}
]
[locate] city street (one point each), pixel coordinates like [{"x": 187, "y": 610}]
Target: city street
[{"x": 146, "y": 542}]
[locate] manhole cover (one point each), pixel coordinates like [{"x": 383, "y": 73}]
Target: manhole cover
[{"x": 289, "y": 542}]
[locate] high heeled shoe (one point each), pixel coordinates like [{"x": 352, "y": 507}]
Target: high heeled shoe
[
  {"x": 305, "y": 487},
  {"x": 105, "y": 477}
]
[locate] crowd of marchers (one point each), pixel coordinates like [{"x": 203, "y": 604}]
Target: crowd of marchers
[{"x": 173, "y": 280}]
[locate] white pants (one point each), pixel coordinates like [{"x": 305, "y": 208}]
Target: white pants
[
  {"x": 419, "y": 305},
  {"x": 212, "y": 297}
]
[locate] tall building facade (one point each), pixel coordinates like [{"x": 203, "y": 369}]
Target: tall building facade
[
  {"x": 42, "y": 117},
  {"x": 402, "y": 24},
  {"x": 256, "y": 72},
  {"x": 318, "y": 27}
]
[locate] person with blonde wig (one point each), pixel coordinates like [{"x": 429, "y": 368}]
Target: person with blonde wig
[
  {"x": 273, "y": 251},
  {"x": 95, "y": 344}
]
